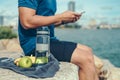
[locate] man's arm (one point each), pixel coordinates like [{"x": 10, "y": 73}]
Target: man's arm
[{"x": 29, "y": 19}]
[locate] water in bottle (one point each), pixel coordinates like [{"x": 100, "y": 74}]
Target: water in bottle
[{"x": 42, "y": 45}]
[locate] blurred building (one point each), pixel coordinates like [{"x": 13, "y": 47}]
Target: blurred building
[
  {"x": 71, "y": 5},
  {"x": 1, "y": 20},
  {"x": 92, "y": 23}
]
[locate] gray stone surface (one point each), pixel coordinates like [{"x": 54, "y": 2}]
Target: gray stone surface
[
  {"x": 114, "y": 72},
  {"x": 1, "y": 46},
  {"x": 67, "y": 71}
]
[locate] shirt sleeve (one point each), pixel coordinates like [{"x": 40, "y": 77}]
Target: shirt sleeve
[{"x": 28, "y": 3}]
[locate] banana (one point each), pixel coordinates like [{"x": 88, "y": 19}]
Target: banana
[
  {"x": 33, "y": 58},
  {"x": 16, "y": 61}
]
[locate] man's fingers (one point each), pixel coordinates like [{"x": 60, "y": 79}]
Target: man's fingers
[{"x": 77, "y": 14}]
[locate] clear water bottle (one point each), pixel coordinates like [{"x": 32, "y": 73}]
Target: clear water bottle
[{"x": 42, "y": 45}]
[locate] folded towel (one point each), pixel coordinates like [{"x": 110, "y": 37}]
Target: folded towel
[{"x": 36, "y": 71}]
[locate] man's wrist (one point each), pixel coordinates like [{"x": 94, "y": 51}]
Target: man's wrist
[
  {"x": 58, "y": 17},
  {"x": 62, "y": 22}
]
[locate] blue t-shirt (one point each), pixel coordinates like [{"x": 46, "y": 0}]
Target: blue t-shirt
[{"x": 44, "y": 8}]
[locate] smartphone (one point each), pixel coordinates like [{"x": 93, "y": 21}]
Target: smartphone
[{"x": 82, "y": 12}]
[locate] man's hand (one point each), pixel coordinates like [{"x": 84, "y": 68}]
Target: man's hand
[{"x": 69, "y": 17}]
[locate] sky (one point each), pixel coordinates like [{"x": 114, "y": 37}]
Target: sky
[{"x": 100, "y": 9}]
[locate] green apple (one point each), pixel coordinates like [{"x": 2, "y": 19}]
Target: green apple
[
  {"x": 25, "y": 62},
  {"x": 41, "y": 60}
]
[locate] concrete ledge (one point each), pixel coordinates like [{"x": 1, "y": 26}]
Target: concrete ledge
[{"x": 67, "y": 71}]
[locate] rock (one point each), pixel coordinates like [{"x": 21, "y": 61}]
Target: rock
[
  {"x": 10, "y": 45},
  {"x": 1, "y": 45},
  {"x": 13, "y": 46},
  {"x": 98, "y": 64},
  {"x": 5, "y": 42},
  {"x": 113, "y": 73},
  {"x": 67, "y": 71}
]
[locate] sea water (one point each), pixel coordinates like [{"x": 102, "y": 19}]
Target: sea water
[{"x": 105, "y": 43}]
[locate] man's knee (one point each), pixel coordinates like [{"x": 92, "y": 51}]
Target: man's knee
[
  {"x": 82, "y": 56},
  {"x": 88, "y": 57}
]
